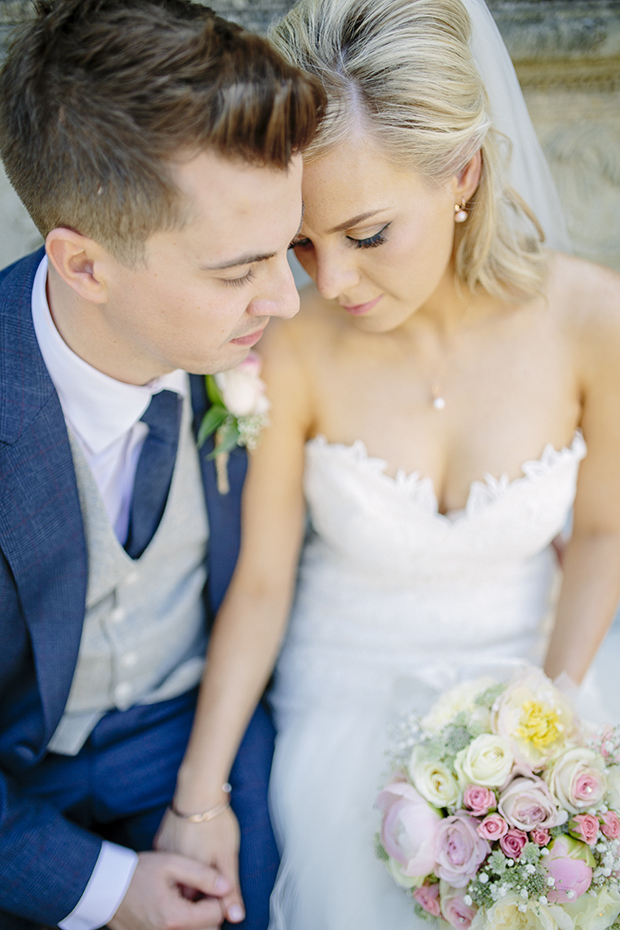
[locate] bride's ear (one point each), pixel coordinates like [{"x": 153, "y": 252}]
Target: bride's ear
[{"x": 468, "y": 179}]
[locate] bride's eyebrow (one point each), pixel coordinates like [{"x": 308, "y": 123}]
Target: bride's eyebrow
[{"x": 355, "y": 220}]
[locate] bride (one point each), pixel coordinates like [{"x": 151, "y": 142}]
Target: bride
[{"x": 447, "y": 391}]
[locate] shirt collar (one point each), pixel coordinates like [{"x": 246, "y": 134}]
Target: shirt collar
[{"x": 98, "y": 408}]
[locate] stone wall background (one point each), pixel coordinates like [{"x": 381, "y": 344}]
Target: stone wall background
[{"x": 567, "y": 56}]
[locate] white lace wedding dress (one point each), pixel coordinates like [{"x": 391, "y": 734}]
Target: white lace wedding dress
[{"x": 394, "y": 602}]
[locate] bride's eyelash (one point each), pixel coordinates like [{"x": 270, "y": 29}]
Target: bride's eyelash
[
  {"x": 371, "y": 242},
  {"x": 237, "y": 282}
]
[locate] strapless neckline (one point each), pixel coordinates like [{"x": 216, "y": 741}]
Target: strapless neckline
[{"x": 482, "y": 492}]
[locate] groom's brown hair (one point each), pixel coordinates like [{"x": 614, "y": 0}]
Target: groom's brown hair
[{"x": 97, "y": 97}]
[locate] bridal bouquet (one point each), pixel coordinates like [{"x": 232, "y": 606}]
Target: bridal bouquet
[{"x": 503, "y": 811}]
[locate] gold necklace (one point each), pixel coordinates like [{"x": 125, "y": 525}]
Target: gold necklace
[{"x": 437, "y": 399}]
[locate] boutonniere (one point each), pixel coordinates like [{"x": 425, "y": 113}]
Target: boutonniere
[{"x": 238, "y": 413}]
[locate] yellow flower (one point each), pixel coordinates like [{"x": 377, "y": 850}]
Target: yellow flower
[
  {"x": 535, "y": 717},
  {"x": 540, "y": 724}
]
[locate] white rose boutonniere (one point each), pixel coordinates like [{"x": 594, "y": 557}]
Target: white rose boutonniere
[{"x": 238, "y": 412}]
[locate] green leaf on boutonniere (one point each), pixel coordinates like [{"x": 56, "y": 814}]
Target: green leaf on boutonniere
[
  {"x": 226, "y": 440},
  {"x": 212, "y": 420},
  {"x": 213, "y": 392}
]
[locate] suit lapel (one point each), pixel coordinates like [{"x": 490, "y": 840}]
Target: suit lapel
[
  {"x": 41, "y": 532},
  {"x": 224, "y": 510}
]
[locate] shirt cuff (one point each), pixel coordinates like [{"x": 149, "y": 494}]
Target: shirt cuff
[{"x": 106, "y": 889}]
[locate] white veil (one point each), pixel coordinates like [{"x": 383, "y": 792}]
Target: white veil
[{"x": 529, "y": 172}]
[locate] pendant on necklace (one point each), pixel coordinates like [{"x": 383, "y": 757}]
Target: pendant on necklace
[{"x": 438, "y": 401}]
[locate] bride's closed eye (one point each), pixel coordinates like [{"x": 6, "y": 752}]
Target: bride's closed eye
[{"x": 370, "y": 242}]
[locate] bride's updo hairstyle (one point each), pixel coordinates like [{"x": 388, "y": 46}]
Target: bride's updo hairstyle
[{"x": 401, "y": 71}]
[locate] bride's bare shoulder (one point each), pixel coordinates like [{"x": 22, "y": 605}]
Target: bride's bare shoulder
[{"x": 585, "y": 295}]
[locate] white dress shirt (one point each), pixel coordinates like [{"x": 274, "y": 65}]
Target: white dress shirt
[{"x": 104, "y": 415}]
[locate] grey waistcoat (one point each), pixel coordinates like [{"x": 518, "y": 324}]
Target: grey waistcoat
[{"x": 144, "y": 636}]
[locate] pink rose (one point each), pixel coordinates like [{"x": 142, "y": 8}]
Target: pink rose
[
  {"x": 513, "y": 842},
  {"x": 610, "y": 825},
  {"x": 540, "y": 836},
  {"x": 408, "y": 828},
  {"x": 527, "y": 803},
  {"x": 569, "y": 863},
  {"x": 428, "y": 897},
  {"x": 584, "y": 827},
  {"x": 492, "y": 827},
  {"x": 454, "y": 909},
  {"x": 479, "y": 800},
  {"x": 577, "y": 778},
  {"x": 458, "y": 849}
]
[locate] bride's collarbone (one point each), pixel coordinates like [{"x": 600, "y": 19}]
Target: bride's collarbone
[{"x": 487, "y": 430}]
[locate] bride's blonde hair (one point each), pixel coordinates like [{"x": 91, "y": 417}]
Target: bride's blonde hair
[{"x": 402, "y": 71}]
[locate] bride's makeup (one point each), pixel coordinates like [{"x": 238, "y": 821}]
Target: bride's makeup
[
  {"x": 361, "y": 309},
  {"x": 371, "y": 242}
]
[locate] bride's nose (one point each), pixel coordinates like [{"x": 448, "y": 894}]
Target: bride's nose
[{"x": 335, "y": 274}]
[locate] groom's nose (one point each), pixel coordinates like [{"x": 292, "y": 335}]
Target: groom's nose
[{"x": 278, "y": 294}]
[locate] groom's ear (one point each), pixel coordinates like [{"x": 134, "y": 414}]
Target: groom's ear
[
  {"x": 468, "y": 178},
  {"x": 80, "y": 262}
]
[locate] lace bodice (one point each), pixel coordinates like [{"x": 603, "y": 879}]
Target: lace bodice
[
  {"x": 400, "y": 589},
  {"x": 380, "y": 523}
]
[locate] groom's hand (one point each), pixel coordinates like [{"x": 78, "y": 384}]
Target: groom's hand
[
  {"x": 170, "y": 892},
  {"x": 215, "y": 843}
]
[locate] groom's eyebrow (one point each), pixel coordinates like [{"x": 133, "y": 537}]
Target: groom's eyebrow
[
  {"x": 354, "y": 221},
  {"x": 240, "y": 260},
  {"x": 250, "y": 259}
]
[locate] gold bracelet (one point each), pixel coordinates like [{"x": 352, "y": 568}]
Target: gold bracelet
[{"x": 208, "y": 814}]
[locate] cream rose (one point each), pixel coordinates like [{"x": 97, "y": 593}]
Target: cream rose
[
  {"x": 505, "y": 915},
  {"x": 432, "y": 779},
  {"x": 597, "y": 912},
  {"x": 487, "y": 761},
  {"x": 577, "y": 779},
  {"x": 613, "y": 787}
]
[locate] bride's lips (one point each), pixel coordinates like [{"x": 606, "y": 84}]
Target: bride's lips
[
  {"x": 249, "y": 340},
  {"x": 360, "y": 309}
]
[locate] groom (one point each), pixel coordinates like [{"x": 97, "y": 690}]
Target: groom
[{"x": 157, "y": 149}]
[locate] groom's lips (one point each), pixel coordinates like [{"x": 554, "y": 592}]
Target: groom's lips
[
  {"x": 360, "y": 309},
  {"x": 249, "y": 340}
]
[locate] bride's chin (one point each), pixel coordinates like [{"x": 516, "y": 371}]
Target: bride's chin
[{"x": 380, "y": 324}]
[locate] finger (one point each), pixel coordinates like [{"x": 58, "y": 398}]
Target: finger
[
  {"x": 194, "y": 874},
  {"x": 232, "y": 904},
  {"x": 206, "y": 914}
]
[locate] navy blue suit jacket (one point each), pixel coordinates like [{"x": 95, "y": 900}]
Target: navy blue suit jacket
[{"x": 43, "y": 577}]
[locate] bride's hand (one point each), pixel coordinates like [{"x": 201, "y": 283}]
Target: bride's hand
[{"x": 216, "y": 843}]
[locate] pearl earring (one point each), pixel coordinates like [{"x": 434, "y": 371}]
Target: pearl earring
[{"x": 460, "y": 213}]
